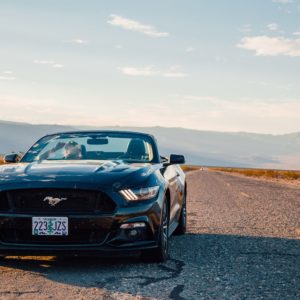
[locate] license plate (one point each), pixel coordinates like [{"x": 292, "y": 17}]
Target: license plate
[{"x": 56, "y": 226}]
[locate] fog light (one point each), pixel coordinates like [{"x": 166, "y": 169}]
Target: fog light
[
  {"x": 133, "y": 233},
  {"x": 133, "y": 225}
]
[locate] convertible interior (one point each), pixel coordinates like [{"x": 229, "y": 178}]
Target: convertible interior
[{"x": 136, "y": 150}]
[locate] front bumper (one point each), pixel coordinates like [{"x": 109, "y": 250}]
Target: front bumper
[{"x": 104, "y": 237}]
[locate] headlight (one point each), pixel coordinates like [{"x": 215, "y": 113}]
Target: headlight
[{"x": 140, "y": 194}]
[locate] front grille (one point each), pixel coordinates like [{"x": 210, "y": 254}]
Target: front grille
[
  {"x": 39, "y": 200},
  {"x": 4, "y": 205},
  {"x": 79, "y": 236}
]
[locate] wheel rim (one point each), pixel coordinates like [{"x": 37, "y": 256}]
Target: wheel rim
[{"x": 165, "y": 231}]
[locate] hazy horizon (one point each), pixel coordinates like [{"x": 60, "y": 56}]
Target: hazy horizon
[
  {"x": 211, "y": 148},
  {"x": 152, "y": 126}
]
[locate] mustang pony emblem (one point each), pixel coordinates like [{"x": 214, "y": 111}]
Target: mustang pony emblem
[{"x": 53, "y": 201}]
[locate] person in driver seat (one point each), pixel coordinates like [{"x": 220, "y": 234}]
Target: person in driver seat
[
  {"x": 69, "y": 150},
  {"x": 72, "y": 150}
]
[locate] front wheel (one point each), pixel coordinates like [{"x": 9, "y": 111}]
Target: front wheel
[{"x": 161, "y": 253}]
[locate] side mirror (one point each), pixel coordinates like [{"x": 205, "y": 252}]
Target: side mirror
[
  {"x": 176, "y": 159},
  {"x": 12, "y": 158}
]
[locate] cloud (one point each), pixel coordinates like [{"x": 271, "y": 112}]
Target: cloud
[
  {"x": 57, "y": 66},
  {"x": 7, "y": 77},
  {"x": 147, "y": 71},
  {"x": 79, "y": 41},
  {"x": 283, "y": 1},
  {"x": 190, "y": 49},
  {"x": 51, "y": 63},
  {"x": 173, "y": 74},
  {"x": 246, "y": 28},
  {"x": 273, "y": 26},
  {"x": 271, "y": 46},
  {"x": 44, "y": 62},
  {"x": 133, "y": 25}
]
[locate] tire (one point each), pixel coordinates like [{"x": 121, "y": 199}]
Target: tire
[
  {"x": 181, "y": 228},
  {"x": 161, "y": 253}
]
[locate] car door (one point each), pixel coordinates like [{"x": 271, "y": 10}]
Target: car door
[{"x": 172, "y": 175}]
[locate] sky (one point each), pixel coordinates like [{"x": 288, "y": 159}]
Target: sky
[{"x": 225, "y": 65}]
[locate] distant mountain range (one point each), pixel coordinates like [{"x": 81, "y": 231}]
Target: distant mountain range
[{"x": 210, "y": 148}]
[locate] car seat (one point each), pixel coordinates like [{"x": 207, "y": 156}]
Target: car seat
[{"x": 136, "y": 149}]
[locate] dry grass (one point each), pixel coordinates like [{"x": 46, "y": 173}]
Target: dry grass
[
  {"x": 275, "y": 174},
  {"x": 188, "y": 168}
]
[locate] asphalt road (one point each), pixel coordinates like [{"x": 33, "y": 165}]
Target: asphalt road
[{"x": 243, "y": 242}]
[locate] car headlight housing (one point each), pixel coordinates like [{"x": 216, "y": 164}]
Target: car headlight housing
[{"x": 139, "y": 194}]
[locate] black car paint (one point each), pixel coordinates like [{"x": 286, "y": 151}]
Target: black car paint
[{"x": 108, "y": 177}]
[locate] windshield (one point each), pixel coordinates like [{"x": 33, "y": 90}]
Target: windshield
[{"x": 92, "y": 146}]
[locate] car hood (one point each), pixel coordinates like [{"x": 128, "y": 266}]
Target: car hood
[{"x": 79, "y": 173}]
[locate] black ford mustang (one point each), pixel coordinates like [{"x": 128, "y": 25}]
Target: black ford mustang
[{"x": 99, "y": 192}]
